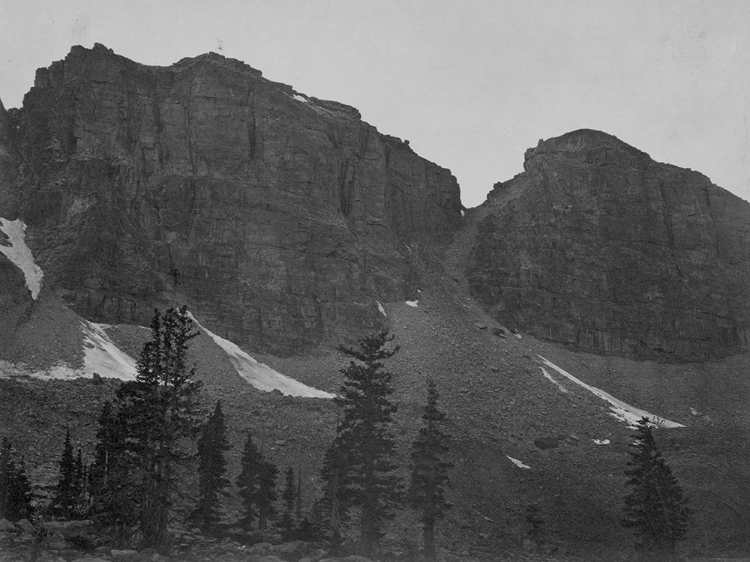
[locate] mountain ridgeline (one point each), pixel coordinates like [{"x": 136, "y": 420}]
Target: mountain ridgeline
[
  {"x": 282, "y": 220},
  {"x": 279, "y": 219}
]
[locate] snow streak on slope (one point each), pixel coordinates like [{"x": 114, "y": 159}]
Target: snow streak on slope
[
  {"x": 548, "y": 376},
  {"x": 102, "y": 356},
  {"x": 262, "y": 376},
  {"x": 19, "y": 253},
  {"x": 518, "y": 463},
  {"x": 620, "y": 409}
]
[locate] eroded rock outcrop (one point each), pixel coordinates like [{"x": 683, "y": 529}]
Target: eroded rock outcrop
[
  {"x": 278, "y": 218},
  {"x": 597, "y": 246}
]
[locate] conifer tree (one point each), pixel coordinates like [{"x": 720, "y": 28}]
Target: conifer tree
[
  {"x": 429, "y": 475},
  {"x": 299, "y": 494},
  {"x": 212, "y": 468},
  {"x": 15, "y": 489},
  {"x": 248, "y": 481},
  {"x": 655, "y": 508},
  {"x": 113, "y": 482},
  {"x": 333, "y": 506},
  {"x": 359, "y": 470},
  {"x": 266, "y": 496},
  {"x": 161, "y": 409},
  {"x": 65, "y": 500},
  {"x": 150, "y": 421},
  {"x": 288, "y": 497}
]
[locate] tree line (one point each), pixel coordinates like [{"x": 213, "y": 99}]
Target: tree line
[{"x": 148, "y": 432}]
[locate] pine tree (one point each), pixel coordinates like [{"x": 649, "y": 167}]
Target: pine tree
[
  {"x": 266, "y": 496},
  {"x": 288, "y": 497},
  {"x": 655, "y": 508},
  {"x": 212, "y": 467},
  {"x": 429, "y": 475},
  {"x": 161, "y": 409},
  {"x": 359, "y": 470},
  {"x": 333, "y": 506},
  {"x": 15, "y": 489},
  {"x": 113, "y": 479},
  {"x": 145, "y": 438},
  {"x": 65, "y": 500},
  {"x": 248, "y": 481},
  {"x": 299, "y": 494}
]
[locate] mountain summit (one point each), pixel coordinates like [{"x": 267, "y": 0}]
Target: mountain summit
[
  {"x": 280, "y": 219},
  {"x": 598, "y": 247}
]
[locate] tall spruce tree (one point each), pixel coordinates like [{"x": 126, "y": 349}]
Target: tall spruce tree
[
  {"x": 248, "y": 481},
  {"x": 148, "y": 426},
  {"x": 65, "y": 499},
  {"x": 655, "y": 508},
  {"x": 266, "y": 497},
  {"x": 113, "y": 482},
  {"x": 212, "y": 468},
  {"x": 288, "y": 497},
  {"x": 429, "y": 475},
  {"x": 359, "y": 469},
  {"x": 15, "y": 489},
  {"x": 162, "y": 410}
]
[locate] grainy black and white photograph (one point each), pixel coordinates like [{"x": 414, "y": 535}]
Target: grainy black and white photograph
[{"x": 374, "y": 281}]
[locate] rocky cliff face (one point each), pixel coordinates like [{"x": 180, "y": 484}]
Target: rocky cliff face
[
  {"x": 278, "y": 218},
  {"x": 597, "y": 246}
]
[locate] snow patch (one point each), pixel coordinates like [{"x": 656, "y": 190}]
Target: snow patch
[
  {"x": 518, "y": 463},
  {"x": 259, "y": 375},
  {"x": 601, "y": 441},
  {"x": 412, "y": 304},
  {"x": 102, "y": 356},
  {"x": 381, "y": 309},
  {"x": 518, "y": 336},
  {"x": 16, "y": 250},
  {"x": 621, "y": 410},
  {"x": 300, "y": 98},
  {"x": 694, "y": 412},
  {"x": 463, "y": 213},
  {"x": 548, "y": 376}
]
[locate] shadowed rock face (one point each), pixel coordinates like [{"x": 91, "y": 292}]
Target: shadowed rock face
[
  {"x": 279, "y": 219},
  {"x": 597, "y": 246}
]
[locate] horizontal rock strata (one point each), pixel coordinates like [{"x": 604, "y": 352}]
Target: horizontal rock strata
[{"x": 597, "y": 246}]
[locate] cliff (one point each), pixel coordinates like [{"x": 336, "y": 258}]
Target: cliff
[
  {"x": 597, "y": 246},
  {"x": 280, "y": 219}
]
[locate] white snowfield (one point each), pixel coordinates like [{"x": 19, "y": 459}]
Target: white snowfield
[
  {"x": 601, "y": 441},
  {"x": 413, "y": 304},
  {"x": 19, "y": 253},
  {"x": 620, "y": 410},
  {"x": 100, "y": 355},
  {"x": 262, "y": 376},
  {"x": 518, "y": 463},
  {"x": 381, "y": 309}
]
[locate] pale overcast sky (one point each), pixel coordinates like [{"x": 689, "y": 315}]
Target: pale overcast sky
[{"x": 471, "y": 84}]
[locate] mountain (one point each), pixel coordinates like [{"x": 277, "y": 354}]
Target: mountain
[
  {"x": 595, "y": 287},
  {"x": 598, "y": 247},
  {"x": 280, "y": 219}
]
